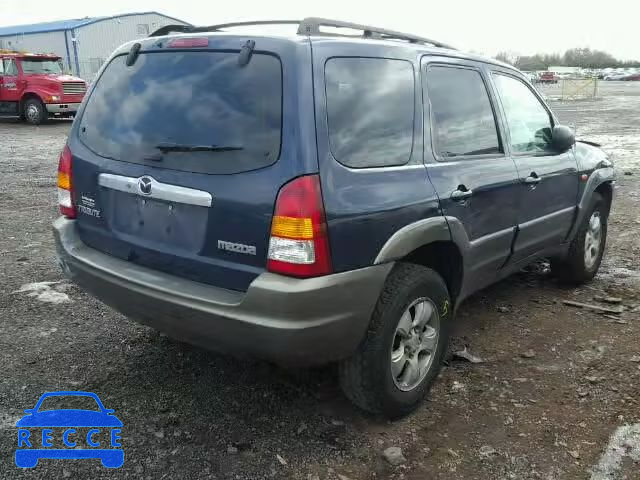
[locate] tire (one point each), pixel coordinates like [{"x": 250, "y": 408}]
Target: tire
[
  {"x": 367, "y": 378},
  {"x": 34, "y": 111},
  {"x": 586, "y": 250}
]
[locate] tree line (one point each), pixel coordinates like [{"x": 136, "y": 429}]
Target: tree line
[{"x": 574, "y": 57}]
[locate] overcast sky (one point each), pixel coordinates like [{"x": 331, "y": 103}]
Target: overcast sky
[{"x": 486, "y": 26}]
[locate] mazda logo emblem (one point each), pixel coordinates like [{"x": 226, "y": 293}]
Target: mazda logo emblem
[{"x": 144, "y": 185}]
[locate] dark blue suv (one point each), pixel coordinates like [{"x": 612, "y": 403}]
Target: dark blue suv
[{"x": 320, "y": 197}]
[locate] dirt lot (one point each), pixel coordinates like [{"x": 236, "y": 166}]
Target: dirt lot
[{"x": 556, "y": 382}]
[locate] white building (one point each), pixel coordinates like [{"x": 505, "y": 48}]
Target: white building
[{"x": 84, "y": 43}]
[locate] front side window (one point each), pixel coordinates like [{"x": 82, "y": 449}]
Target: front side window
[
  {"x": 370, "y": 110},
  {"x": 46, "y": 67},
  {"x": 529, "y": 122},
  {"x": 10, "y": 68},
  {"x": 463, "y": 123}
]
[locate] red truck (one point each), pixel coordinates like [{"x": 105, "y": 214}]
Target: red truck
[{"x": 33, "y": 87}]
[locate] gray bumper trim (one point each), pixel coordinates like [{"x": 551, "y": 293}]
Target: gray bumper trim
[
  {"x": 62, "y": 107},
  {"x": 287, "y": 320}
]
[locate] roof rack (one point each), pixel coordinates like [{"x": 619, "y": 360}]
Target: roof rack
[{"x": 310, "y": 26}]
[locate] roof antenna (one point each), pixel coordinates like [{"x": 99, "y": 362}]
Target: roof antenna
[
  {"x": 245, "y": 53},
  {"x": 133, "y": 54}
]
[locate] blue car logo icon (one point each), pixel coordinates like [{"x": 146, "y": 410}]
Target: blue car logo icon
[{"x": 69, "y": 433}]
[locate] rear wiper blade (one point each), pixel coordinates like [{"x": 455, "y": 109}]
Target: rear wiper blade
[{"x": 173, "y": 147}]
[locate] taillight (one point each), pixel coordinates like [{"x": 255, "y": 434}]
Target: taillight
[
  {"x": 65, "y": 184},
  {"x": 299, "y": 244}
]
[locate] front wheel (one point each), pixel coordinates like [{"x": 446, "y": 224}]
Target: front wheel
[
  {"x": 34, "y": 111},
  {"x": 401, "y": 355},
  {"x": 587, "y": 248}
]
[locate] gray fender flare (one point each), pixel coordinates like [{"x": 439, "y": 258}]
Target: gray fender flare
[
  {"x": 423, "y": 232},
  {"x": 597, "y": 178}
]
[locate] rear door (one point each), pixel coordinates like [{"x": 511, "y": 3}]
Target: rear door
[
  {"x": 549, "y": 182},
  {"x": 474, "y": 177},
  {"x": 178, "y": 158},
  {"x": 374, "y": 182}
]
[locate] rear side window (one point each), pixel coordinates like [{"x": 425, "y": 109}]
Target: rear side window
[
  {"x": 370, "y": 109},
  {"x": 190, "y": 111},
  {"x": 462, "y": 118}
]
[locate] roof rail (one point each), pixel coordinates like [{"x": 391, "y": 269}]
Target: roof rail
[{"x": 310, "y": 26}]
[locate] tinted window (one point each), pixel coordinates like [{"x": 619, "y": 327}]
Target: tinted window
[
  {"x": 528, "y": 121},
  {"x": 462, "y": 117},
  {"x": 191, "y": 111},
  {"x": 370, "y": 107}
]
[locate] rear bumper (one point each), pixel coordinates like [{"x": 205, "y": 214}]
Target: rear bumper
[
  {"x": 62, "y": 107},
  {"x": 286, "y": 320}
]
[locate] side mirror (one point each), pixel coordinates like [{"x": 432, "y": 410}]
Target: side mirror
[{"x": 562, "y": 138}]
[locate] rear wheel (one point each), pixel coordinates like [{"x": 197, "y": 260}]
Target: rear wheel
[
  {"x": 587, "y": 248},
  {"x": 34, "y": 111},
  {"x": 393, "y": 368}
]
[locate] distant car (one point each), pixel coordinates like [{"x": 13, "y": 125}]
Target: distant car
[
  {"x": 632, "y": 77},
  {"x": 547, "y": 77},
  {"x": 616, "y": 76},
  {"x": 533, "y": 78},
  {"x": 69, "y": 420}
]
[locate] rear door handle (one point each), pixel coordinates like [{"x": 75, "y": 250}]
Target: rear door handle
[
  {"x": 462, "y": 193},
  {"x": 533, "y": 178}
]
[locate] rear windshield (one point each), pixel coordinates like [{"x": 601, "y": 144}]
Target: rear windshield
[{"x": 190, "y": 111}]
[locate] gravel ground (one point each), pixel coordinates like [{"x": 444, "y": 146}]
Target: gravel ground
[{"x": 555, "y": 384}]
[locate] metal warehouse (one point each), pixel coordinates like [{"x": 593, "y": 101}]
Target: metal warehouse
[{"x": 83, "y": 43}]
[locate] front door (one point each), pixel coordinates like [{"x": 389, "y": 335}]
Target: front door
[
  {"x": 9, "y": 93},
  {"x": 549, "y": 179},
  {"x": 475, "y": 179}
]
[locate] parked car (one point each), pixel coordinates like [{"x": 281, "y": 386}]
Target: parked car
[
  {"x": 632, "y": 77},
  {"x": 240, "y": 193},
  {"x": 547, "y": 77},
  {"x": 616, "y": 76},
  {"x": 34, "y": 87}
]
